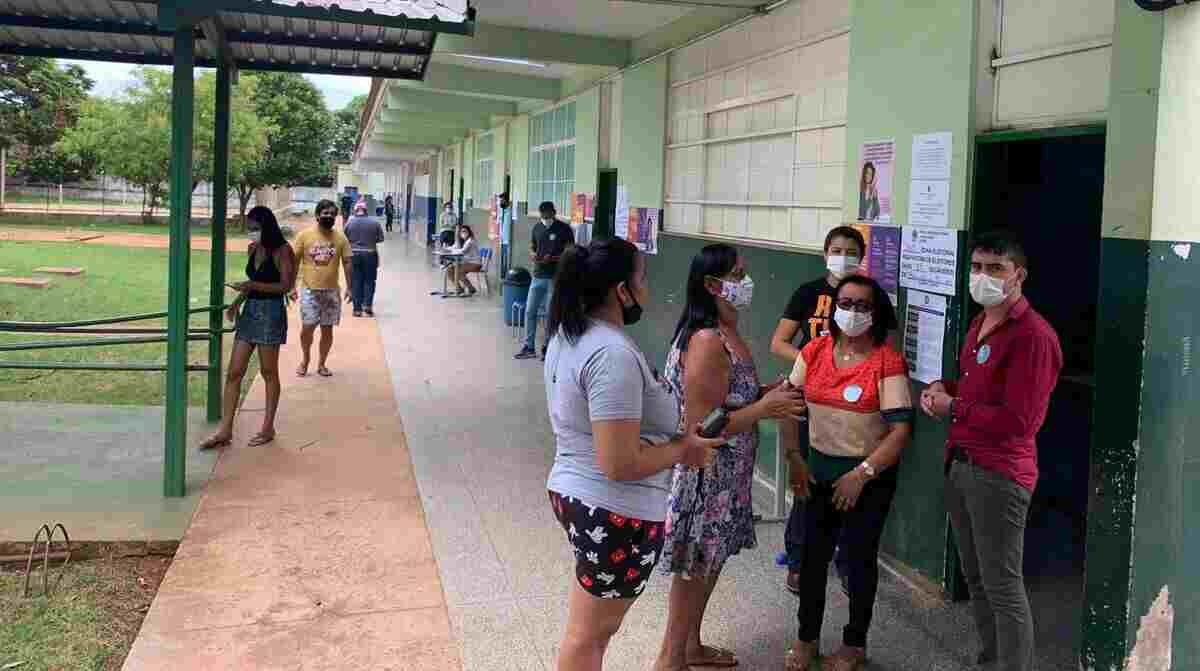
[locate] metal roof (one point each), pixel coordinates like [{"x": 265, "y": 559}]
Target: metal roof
[{"x": 373, "y": 38}]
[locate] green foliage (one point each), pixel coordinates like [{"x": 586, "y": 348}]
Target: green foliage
[
  {"x": 345, "y": 130},
  {"x": 38, "y": 101}
]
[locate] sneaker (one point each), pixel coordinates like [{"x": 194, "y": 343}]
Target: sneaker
[
  {"x": 358, "y": 313},
  {"x": 369, "y": 312},
  {"x": 526, "y": 353}
]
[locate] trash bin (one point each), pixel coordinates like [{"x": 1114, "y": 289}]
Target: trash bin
[{"x": 516, "y": 290}]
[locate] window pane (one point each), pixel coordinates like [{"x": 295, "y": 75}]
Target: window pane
[
  {"x": 568, "y": 170},
  {"x": 570, "y": 130}
]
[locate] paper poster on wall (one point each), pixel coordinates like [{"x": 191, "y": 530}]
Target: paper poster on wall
[
  {"x": 929, "y": 202},
  {"x": 924, "y": 335},
  {"x": 578, "y": 208},
  {"x": 621, "y": 218},
  {"x": 883, "y": 256},
  {"x": 589, "y": 211},
  {"x": 494, "y": 218},
  {"x": 651, "y": 223},
  {"x": 876, "y": 168},
  {"x": 932, "y": 155},
  {"x": 929, "y": 259}
]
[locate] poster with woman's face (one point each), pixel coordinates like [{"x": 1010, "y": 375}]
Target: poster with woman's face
[{"x": 876, "y": 167}]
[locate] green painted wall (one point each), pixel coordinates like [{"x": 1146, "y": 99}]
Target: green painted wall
[
  {"x": 911, "y": 72},
  {"x": 643, "y": 133},
  {"x": 587, "y": 140},
  {"x": 680, "y": 31},
  {"x": 519, "y": 169}
]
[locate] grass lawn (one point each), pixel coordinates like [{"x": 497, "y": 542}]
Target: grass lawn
[
  {"x": 118, "y": 281},
  {"x": 88, "y": 623},
  {"x": 85, "y": 223}
]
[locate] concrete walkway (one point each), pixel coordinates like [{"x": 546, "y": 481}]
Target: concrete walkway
[
  {"x": 310, "y": 553},
  {"x": 314, "y": 553}
]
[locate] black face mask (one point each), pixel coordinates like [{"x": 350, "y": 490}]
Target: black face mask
[
  {"x": 327, "y": 222},
  {"x": 631, "y": 314}
]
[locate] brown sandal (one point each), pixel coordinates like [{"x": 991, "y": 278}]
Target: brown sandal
[
  {"x": 715, "y": 657},
  {"x": 802, "y": 657},
  {"x": 213, "y": 442},
  {"x": 844, "y": 660},
  {"x": 261, "y": 439}
]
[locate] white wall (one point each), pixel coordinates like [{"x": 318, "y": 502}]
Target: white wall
[
  {"x": 1176, "y": 178},
  {"x": 757, "y": 113},
  {"x": 1054, "y": 61}
]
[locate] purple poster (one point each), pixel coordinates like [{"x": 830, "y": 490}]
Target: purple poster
[{"x": 884, "y": 257}]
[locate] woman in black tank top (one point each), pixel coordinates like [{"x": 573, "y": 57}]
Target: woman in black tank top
[{"x": 261, "y": 324}]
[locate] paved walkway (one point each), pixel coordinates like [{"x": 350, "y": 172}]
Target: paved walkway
[
  {"x": 316, "y": 553},
  {"x": 84, "y": 236}
]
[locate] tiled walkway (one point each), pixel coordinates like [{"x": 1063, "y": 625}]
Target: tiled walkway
[{"x": 314, "y": 554}]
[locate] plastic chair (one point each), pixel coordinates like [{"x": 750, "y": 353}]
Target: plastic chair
[{"x": 485, "y": 263}]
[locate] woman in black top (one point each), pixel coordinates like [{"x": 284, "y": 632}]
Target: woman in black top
[{"x": 262, "y": 324}]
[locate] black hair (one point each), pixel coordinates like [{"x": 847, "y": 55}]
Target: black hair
[
  {"x": 387, "y": 198},
  {"x": 547, "y": 208},
  {"x": 324, "y": 204},
  {"x": 848, "y": 232},
  {"x": 470, "y": 233},
  {"x": 272, "y": 235},
  {"x": 883, "y": 315},
  {"x": 1000, "y": 243},
  {"x": 585, "y": 276},
  {"x": 700, "y": 308}
]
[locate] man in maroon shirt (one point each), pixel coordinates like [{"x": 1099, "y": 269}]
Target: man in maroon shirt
[{"x": 1009, "y": 366}]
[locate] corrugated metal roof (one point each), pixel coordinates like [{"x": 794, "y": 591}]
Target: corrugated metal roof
[{"x": 379, "y": 38}]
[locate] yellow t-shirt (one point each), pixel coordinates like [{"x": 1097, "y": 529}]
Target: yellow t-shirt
[{"x": 320, "y": 256}]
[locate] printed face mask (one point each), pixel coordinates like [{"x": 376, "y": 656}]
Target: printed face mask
[
  {"x": 986, "y": 290},
  {"x": 841, "y": 265},
  {"x": 739, "y": 294},
  {"x": 853, "y": 323}
]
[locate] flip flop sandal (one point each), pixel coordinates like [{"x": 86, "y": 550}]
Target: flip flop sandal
[
  {"x": 715, "y": 658},
  {"x": 802, "y": 657},
  {"x": 302, "y": 371},
  {"x": 213, "y": 442},
  {"x": 838, "y": 662},
  {"x": 324, "y": 372},
  {"x": 260, "y": 439}
]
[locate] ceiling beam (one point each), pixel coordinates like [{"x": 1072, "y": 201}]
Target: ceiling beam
[
  {"x": 540, "y": 46},
  {"x": 486, "y": 84},
  {"x": 430, "y": 121},
  {"x": 436, "y": 136},
  {"x": 411, "y": 99}
]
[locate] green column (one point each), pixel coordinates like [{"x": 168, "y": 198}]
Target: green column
[
  {"x": 182, "y": 105},
  {"x": 220, "y": 200}
]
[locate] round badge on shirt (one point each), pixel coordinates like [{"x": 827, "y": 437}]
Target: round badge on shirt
[
  {"x": 983, "y": 355},
  {"x": 852, "y": 393}
]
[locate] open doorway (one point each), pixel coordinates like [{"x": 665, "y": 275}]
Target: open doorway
[{"x": 1047, "y": 188}]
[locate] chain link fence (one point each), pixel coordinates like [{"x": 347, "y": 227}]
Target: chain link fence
[{"x": 102, "y": 197}]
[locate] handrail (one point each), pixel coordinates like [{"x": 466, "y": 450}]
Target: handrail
[
  {"x": 69, "y": 344},
  {"x": 117, "y": 331},
  {"x": 25, "y": 326},
  {"x": 120, "y": 367}
]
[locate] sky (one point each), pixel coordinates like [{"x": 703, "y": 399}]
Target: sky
[{"x": 112, "y": 78}]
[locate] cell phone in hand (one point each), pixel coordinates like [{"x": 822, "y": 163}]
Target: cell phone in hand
[{"x": 714, "y": 424}]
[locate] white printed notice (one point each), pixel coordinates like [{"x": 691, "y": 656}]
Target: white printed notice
[
  {"x": 621, "y": 225},
  {"x": 929, "y": 259},
  {"x": 929, "y": 191},
  {"x": 924, "y": 335}
]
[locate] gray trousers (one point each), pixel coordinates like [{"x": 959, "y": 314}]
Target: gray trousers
[{"x": 988, "y": 512}]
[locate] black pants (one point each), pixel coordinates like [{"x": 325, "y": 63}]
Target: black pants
[
  {"x": 390, "y": 218},
  {"x": 859, "y": 530},
  {"x": 793, "y": 535}
]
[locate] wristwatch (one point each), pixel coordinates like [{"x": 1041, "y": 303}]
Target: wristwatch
[{"x": 867, "y": 469}]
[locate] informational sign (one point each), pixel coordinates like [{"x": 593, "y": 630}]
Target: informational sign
[
  {"x": 883, "y": 256},
  {"x": 651, "y": 222},
  {"x": 876, "y": 168},
  {"x": 578, "y": 208},
  {"x": 929, "y": 259},
  {"x": 925, "y": 335},
  {"x": 931, "y": 155},
  {"x": 621, "y": 218}
]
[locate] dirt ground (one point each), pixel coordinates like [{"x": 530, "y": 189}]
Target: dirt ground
[{"x": 90, "y": 620}]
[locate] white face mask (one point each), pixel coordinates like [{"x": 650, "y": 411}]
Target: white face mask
[
  {"x": 841, "y": 265},
  {"x": 988, "y": 291},
  {"x": 255, "y": 236},
  {"x": 853, "y": 323},
  {"x": 739, "y": 294}
]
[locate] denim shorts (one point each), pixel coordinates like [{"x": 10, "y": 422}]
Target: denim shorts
[{"x": 263, "y": 321}]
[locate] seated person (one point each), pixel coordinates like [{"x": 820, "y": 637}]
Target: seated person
[{"x": 471, "y": 261}]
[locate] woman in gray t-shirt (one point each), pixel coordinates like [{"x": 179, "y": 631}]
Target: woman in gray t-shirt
[{"x": 616, "y": 427}]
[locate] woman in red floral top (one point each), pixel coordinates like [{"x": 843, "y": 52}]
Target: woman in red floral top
[{"x": 860, "y": 416}]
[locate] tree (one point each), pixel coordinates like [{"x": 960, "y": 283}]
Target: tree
[
  {"x": 298, "y": 124},
  {"x": 39, "y": 101},
  {"x": 346, "y": 123}
]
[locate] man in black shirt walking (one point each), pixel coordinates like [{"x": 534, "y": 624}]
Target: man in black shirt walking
[
  {"x": 805, "y": 319},
  {"x": 550, "y": 239}
]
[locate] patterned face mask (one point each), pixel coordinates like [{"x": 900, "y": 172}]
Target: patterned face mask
[{"x": 739, "y": 294}]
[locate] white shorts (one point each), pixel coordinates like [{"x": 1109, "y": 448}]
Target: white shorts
[{"x": 320, "y": 307}]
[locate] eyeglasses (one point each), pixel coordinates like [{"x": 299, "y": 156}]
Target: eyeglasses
[{"x": 852, "y": 305}]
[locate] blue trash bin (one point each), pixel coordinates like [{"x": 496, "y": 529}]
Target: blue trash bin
[{"x": 516, "y": 290}]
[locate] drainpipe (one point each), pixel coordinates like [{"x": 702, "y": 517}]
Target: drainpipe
[{"x": 1160, "y": 5}]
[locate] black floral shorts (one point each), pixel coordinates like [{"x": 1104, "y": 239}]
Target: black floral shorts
[{"x": 614, "y": 555}]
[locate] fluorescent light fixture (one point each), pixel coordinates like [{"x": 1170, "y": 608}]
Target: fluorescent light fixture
[{"x": 494, "y": 59}]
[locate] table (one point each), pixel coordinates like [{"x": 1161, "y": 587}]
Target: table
[{"x": 455, "y": 259}]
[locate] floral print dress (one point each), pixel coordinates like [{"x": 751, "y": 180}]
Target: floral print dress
[{"x": 710, "y": 511}]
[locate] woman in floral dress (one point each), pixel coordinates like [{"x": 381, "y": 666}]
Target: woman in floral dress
[{"x": 710, "y": 514}]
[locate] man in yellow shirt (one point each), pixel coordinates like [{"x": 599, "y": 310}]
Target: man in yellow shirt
[{"x": 320, "y": 252}]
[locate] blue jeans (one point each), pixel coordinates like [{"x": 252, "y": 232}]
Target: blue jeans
[
  {"x": 538, "y": 299},
  {"x": 364, "y": 268}
]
